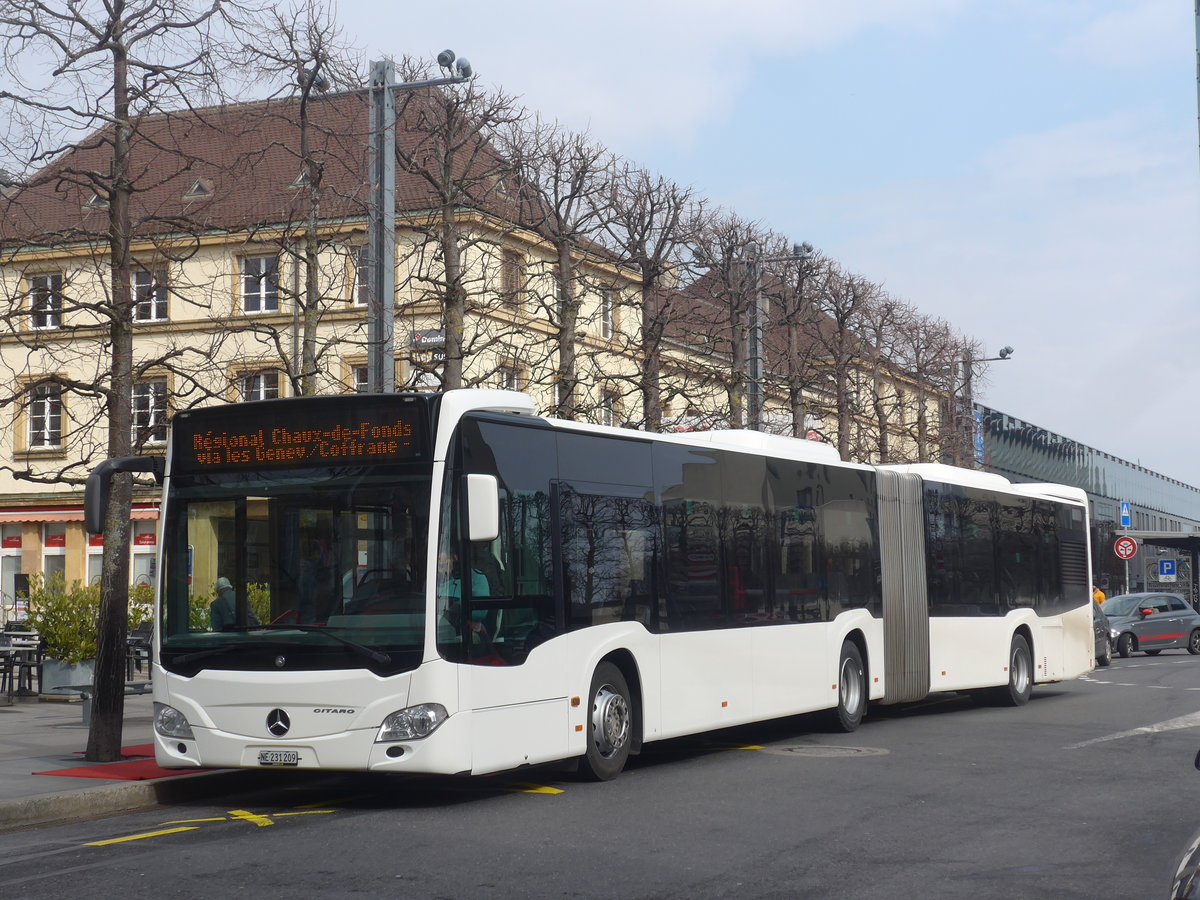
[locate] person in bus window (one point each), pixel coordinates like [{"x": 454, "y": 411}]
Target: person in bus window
[
  {"x": 222, "y": 614},
  {"x": 223, "y": 611}
]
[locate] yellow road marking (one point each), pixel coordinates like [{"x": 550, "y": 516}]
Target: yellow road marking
[
  {"x": 524, "y": 787},
  {"x": 306, "y": 812},
  {"x": 245, "y": 814},
  {"x": 137, "y": 837},
  {"x": 336, "y": 802},
  {"x": 190, "y": 821}
]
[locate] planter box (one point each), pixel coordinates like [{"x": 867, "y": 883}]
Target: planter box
[{"x": 60, "y": 674}]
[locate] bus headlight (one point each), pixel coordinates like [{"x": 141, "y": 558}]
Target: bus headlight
[
  {"x": 170, "y": 722},
  {"x": 412, "y": 723}
]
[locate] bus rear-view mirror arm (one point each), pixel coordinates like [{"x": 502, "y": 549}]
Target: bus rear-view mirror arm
[
  {"x": 483, "y": 507},
  {"x": 95, "y": 492}
]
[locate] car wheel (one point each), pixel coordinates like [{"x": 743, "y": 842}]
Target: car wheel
[
  {"x": 852, "y": 688},
  {"x": 1105, "y": 657},
  {"x": 1153, "y": 652},
  {"x": 610, "y": 726},
  {"x": 1194, "y": 642},
  {"x": 1020, "y": 674},
  {"x": 1125, "y": 645}
]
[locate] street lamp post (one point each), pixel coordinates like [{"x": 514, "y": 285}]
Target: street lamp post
[
  {"x": 968, "y": 432},
  {"x": 380, "y": 260}
]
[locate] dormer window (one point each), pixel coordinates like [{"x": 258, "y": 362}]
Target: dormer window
[{"x": 201, "y": 188}]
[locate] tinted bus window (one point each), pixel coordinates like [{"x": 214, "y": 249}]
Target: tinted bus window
[{"x": 688, "y": 484}]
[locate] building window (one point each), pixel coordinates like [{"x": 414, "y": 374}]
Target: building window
[
  {"x": 54, "y": 550},
  {"x": 510, "y": 378},
  {"x": 512, "y": 275},
  {"x": 45, "y": 416},
  {"x": 362, "y": 380},
  {"x": 260, "y": 284},
  {"x": 259, "y": 385},
  {"x": 150, "y": 412},
  {"x": 362, "y": 277},
  {"x": 150, "y": 295},
  {"x": 608, "y": 408},
  {"x": 606, "y": 314},
  {"x": 46, "y": 300}
]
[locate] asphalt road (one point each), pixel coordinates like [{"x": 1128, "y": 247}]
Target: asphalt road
[{"x": 1089, "y": 791}]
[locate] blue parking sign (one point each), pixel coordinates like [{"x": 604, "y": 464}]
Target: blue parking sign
[{"x": 1166, "y": 570}]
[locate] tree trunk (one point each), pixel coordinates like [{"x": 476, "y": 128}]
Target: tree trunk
[
  {"x": 568, "y": 320},
  {"x": 651, "y": 358},
  {"x": 455, "y": 313},
  {"x": 108, "y": 710}
]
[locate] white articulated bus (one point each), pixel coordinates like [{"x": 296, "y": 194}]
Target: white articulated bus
[{"x": 451, "y": 584}]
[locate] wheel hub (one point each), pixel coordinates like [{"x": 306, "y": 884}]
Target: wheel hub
[{"x": 610, "y": 721}]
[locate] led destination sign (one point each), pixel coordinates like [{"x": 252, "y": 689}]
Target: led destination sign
[{"x": 282, "y": 435}]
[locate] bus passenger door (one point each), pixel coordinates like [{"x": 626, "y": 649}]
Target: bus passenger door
[{"x": 515, "y": 654}]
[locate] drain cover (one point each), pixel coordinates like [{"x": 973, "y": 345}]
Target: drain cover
[{"x": 825, "y": 752}]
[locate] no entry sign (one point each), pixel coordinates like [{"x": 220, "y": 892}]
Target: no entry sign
[{"x": 1125, "y": 547}]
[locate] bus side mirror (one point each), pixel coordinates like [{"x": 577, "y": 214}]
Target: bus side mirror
[
  {"x": 483, "y": 508},
  {"x": 95, "y": 492}
]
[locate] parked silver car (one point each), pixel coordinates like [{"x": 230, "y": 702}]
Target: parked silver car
[{"x": 1152, "y": 622}]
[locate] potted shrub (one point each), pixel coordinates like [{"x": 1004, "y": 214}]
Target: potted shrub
[{"x": 66, "y": 619}]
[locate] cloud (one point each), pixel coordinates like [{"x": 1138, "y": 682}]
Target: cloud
[
  {"x": 1077, "y": 246},
  {"x": 631, "y": 69},
  {"x": 1136, "y": 35}
]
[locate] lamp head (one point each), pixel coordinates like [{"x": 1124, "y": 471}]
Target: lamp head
[
  {"x": 463, "y": 68},
  {"x": 445, "y": 59},
  {"x": 1006, "y": 352}
]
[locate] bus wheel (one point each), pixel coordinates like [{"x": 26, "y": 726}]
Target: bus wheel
[
  {"x": 610, "y": 728},
  {"x": 1194, "y": 642},
  {"x": 1125, "y": 645},
  {"x": 1020, "y": 674},
  {"x": 852, "y": 688}
]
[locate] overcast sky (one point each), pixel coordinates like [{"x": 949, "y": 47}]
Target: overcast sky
[{"x": 1026, "y": 170}]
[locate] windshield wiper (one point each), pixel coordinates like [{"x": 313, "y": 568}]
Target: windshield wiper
[{"x": 362, "y": 650}]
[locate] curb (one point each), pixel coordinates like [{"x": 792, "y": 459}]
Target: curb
[{"x": 112, "y": 799}]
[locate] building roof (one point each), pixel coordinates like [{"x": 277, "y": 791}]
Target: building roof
[{"x": 236, "y": 168}]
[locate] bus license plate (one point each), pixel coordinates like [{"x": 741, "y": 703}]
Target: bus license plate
[{"x": 278, "y": 757}]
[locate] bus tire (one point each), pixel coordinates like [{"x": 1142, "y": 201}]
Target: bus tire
[
  {"x": 1020, "y": 674},
  {"x": 610, "y": 725},
  {"x": 852, "y": 688},
  {"x": 1125, "y": 645}
]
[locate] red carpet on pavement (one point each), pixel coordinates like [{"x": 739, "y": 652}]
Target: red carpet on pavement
[
  {"x": 133, "y": 770},
  {"x": 135, "y": 767}
]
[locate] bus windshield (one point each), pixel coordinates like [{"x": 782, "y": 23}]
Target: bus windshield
[{"x": 282, "y": 569}]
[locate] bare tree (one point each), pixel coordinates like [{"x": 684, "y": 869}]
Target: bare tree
[
  {"x": 114, "y": 65},
  {"x": 447, "y": 142},
  {"x": 310, "y": 57},
  {"x": 561, "y": 180},
  {"x": 791, "y": 278},
  {"x": 838, "y": 334},
  {"x": 650, "y": 220},
  {"x": 727, "y": 250}
]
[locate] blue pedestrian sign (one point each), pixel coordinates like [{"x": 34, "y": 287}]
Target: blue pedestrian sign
[
  {"x": 1166, "y": 570},
  {"x": 1126, "y": 515}
]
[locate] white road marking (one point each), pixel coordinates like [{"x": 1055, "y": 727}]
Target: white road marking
[{"x": 1191, "y": 720}]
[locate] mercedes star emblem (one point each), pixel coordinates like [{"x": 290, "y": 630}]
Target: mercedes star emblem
[{"x": 278, "y": 722}]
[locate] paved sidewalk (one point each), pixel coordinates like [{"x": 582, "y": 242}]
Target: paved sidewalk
[{"x": 41, "y": 736}]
